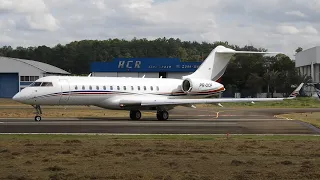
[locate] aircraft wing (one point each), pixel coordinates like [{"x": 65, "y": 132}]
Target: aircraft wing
[
  {"x": 163, "y": 102},
  {"x": 160, "y": 102}
]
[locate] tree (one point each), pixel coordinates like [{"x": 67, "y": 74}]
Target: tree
[
  {"x": 299, "y": 49},
  {"x": 255, "y": 84},
  {"x": 270, "y": 78}
]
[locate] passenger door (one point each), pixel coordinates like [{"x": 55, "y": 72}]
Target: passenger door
[{"x": 65, "y": 91}]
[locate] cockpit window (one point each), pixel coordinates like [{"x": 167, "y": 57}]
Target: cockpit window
[
  {"x": 37, "y": 84},
  {"x": 47, "y": 84}
]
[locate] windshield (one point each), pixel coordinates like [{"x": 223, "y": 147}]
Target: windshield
[{"x": 37, "y": 84}]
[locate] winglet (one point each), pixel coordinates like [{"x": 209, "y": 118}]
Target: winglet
[{"x": 295, "y": 92}]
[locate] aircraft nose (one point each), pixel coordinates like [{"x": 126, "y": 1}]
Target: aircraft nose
[{"x": 17, "y": 97}]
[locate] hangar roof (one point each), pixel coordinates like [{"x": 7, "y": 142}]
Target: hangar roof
[{"x": 47, "y": 68}]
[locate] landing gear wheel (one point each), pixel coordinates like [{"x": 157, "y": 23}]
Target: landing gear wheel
[
  {"x": 37, "y": 118},
  {"x": 135, "y": 115},
  {"x": 162, "y": 115},
  {"x": 38, "y": 113}
]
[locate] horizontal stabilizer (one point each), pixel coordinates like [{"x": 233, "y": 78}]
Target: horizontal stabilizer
[{"x": 246, "y": 52}]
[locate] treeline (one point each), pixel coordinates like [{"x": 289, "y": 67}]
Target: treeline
[{"x": 249, "y": 74}]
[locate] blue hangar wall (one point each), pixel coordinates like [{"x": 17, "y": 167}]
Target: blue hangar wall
[{"x": 148, "y": 67}]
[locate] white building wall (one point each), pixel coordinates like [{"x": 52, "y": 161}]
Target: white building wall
[
  {"x": 105, "y": 74},
  {"x": 128, "y": 74},
  {"x": 149, "y": 74},
  {"x": 176, "y": 75},
  {"x": 315, "y": 73},
  {"x": 305, "y": 57}
]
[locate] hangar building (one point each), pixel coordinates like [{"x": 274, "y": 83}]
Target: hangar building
[
  {"x": 147, "y": 67},
  {"x": 308, "y": 63},
  {"x": 16, "y": 74}
]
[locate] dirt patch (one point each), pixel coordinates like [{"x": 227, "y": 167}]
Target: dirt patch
[{"x": 96, "y": 157}]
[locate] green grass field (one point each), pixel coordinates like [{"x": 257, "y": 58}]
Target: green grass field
[
  {"x": 312, "y": 118},
  {"x": 158, "y": 157}
]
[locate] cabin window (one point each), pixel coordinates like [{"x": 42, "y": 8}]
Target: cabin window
[
  {"x": 118, "y": 87},
  {"x": 132, "y": 88},
  {"x": 139, "y": 88},
  {"x": 97, "y": 87},
  {"x": 76, "y": 87},
  {"x": 145, "y": 88},
  {"x": 83, "y": 87},
  {"x": 151, "y": 87},
  {"x": 111, "y": 87},
  {"x": 124, "y": 88},
  {"x": 157, "y": 88},
  {"x": 90, "y": 87},
  {"x": 104, "y": 87}
]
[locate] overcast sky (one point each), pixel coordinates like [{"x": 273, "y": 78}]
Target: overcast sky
[{"x": 278, "y": 25}]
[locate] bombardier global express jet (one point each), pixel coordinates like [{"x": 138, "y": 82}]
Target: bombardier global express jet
[{"x": 135, "y": 94}]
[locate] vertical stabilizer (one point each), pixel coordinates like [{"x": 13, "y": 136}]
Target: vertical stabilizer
[{"x": 214, "y": 66}]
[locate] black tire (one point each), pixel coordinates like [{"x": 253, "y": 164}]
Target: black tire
[
  {"x": 159, "y": 117},
  {"x": 37, "y": 118},
  {"x": 135, "y": 115},
  {"x": 162, "y": 115}
]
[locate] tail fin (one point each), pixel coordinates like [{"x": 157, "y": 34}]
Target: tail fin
[
  {"x": 296, "y": 91},
  {"x": 214, "y": 66}
]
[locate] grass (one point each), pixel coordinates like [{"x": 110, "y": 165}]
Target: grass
[
  {"x": 300, "y": 102},
  {"x": 159, "y": 157},
  {"x": 312, "y": 117}
]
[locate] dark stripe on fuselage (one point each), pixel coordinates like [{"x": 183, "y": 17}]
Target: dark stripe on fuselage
[{"x": 179, "y": 93}]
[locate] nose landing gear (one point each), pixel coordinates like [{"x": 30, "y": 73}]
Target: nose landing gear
[{"x": 38, "y": 112}]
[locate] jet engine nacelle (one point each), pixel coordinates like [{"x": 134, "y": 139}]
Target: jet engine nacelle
[{"x": 199, "y": 85}]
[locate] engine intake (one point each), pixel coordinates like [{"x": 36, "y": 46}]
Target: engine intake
[
  {"x": 199, "y": 85},
  {"x": 186, "y": 86}
]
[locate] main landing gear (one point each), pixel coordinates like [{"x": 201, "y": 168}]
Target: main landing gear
[
  {"x": 135, "y": 114},
  {"x": 161, "y": 115},
  {"x": 38, "y": 112}
]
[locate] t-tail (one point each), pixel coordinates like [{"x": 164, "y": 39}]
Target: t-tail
[{"x": 214, "y": 66}]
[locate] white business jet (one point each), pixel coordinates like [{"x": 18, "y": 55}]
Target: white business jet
[{"x": 135, "y": 94}]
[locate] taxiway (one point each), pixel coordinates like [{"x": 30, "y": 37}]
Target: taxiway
[{"x": 182, "y": 121}]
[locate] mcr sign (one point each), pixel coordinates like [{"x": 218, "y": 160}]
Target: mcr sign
[{"x": 129, "y": 64}]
